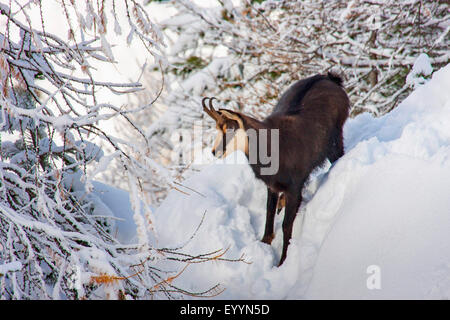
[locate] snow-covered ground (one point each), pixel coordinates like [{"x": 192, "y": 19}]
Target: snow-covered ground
[{"x": 374, "y": 225}]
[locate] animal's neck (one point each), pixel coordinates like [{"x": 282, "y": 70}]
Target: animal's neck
[
  {"x": 261, "y": 149},
  {"x": 252, "y": 123}
]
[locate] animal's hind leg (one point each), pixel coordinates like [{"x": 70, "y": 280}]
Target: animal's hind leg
[
  {"x": 272, "y": 199},
  {"x": 336, "y": 146}
]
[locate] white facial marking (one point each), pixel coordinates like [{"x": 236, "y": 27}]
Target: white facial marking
[
  {"x": 239, "y": 142},
  {"x": 218, "y": 139}
]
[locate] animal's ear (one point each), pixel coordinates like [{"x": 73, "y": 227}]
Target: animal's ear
[{"x": 231, "y": 115}]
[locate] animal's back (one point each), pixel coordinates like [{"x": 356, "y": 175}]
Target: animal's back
[{"x": 291, "y": 102}]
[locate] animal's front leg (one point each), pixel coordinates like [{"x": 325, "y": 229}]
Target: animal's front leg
[
  {"x": 293, "y": 200},
  {"x": 272, "y": 199}
]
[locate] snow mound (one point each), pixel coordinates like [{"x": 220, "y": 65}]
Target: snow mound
[
  {"x": 385, "y": 205},
  {"x": 118, "y": 201},
  {"x": 422, "y": 67}
]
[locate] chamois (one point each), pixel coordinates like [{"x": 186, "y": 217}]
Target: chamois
[{"x": 309, "y": 117}]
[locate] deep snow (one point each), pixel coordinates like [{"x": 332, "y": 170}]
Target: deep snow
[{"x": 383, "y": 206}]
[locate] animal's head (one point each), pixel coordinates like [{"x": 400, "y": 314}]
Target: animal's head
[{"x": 231, "y": 135}]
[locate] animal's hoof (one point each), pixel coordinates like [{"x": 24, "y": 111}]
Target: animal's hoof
[
  {"x": 281, "y": 261},
  {"x": 268, "y": 239}
]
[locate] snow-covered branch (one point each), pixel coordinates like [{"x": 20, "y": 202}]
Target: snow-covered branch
[{"x": 57, "y": 239}]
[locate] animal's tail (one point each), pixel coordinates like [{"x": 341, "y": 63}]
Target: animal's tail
[{"x": 335, "y": 78}]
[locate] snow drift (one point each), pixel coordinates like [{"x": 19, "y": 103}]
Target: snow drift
[{"x": 384, "y": 204}]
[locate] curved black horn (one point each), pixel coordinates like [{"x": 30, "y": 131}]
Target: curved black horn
[
  {"x": 203, "y": 102},
  {"x": 211, "y": 104},
  {"x": 211, "y": 111}
]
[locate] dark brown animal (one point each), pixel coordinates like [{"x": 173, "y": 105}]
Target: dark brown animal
[{"x": 309, "y": 117}]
